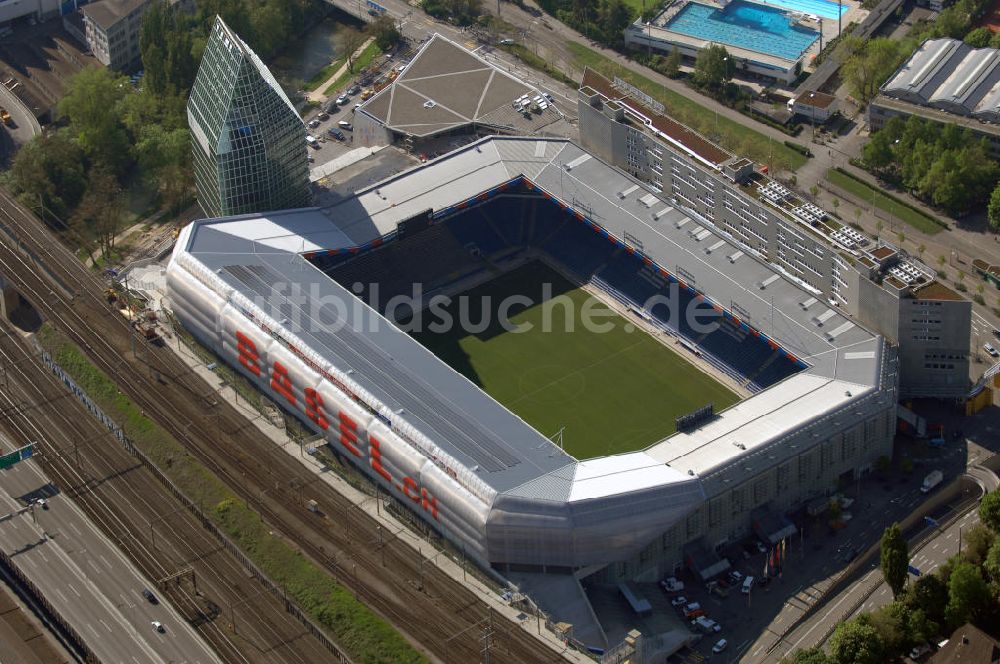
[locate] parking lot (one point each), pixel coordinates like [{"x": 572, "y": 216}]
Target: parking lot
[{"x": 322, "y": 121}]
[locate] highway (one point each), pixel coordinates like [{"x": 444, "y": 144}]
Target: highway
[{"x": 95, "y": 589}]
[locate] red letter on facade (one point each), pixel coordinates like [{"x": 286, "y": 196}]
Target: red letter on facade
[
  {"x": 281, "y": 383},
  {"x": 429, "y": 502},
  {"x": 349, "y": 434},
  {"x": 247, "y": 350},
  {"x": 376, "y": 460},
  {"x": 410, "y": 489},
  {"x": 314, "y": 409}
]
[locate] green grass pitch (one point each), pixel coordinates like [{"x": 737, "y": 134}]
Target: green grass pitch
[{"x": 613, "y": 391}]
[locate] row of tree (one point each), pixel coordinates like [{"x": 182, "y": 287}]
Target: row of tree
[
  {"x": 603, "y": 21},
  {"x": 965, "y": 589},
  {"x": 942, "y": 163}
]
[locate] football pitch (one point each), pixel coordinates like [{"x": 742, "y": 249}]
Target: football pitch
[{"x": 609, "y": 390}]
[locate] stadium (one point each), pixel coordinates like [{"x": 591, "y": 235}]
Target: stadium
[{"x": 546, "y": 450}]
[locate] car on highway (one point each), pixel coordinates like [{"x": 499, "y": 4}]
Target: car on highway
[
  {"x": 719, "y": 646},
  {"x": 680, "y": 600},
  {"x": 343, "y": 100},
  {"x": 996, "y": 333},
  {"x": 150, "y": 597},
  {"x": 158, "y": 626},
  {"x": 40, "y": 502}
]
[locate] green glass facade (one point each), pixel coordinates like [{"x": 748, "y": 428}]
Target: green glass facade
[{"x": 249, "y": 143}]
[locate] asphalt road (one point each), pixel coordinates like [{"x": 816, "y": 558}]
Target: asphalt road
[{"x": 87, "y": 579}]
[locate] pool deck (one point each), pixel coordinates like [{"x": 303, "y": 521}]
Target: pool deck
[{"x": 658, "y": 30}]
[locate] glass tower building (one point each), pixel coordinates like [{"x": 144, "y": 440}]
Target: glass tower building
[{"x": 249, "y": 142}]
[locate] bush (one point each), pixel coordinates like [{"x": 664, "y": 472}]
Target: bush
[{"x": 801, "y": 149}]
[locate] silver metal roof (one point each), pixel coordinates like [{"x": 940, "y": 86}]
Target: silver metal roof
[
  {"x": 260, "y": 254},
  {"x": 949, "y": 75}
]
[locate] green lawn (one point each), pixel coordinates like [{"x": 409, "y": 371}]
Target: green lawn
[
  {"x": 914, "y": 218},
  {"x": 737, "y": 137},
  {"x": 360, "y": 62},
  {"x": 613, "y": 391}
]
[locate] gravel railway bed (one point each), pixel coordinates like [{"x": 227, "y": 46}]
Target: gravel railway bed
[
  {"x": 151, "y": 527},
  {"x": 444, "y": 617}
]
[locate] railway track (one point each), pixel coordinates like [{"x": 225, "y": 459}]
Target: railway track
[
  {"x": 435, "y": 612},
  {"x": 156, "y": 533}
]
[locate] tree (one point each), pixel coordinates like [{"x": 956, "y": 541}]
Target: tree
[
  {"x": 979, "y": 38},
  {"x": 941, "y": 260},
  {"x": 613, "y": 17},
  {"x": 894, "y": 558},
  {"x": 991, "y": 565},
  {"x": 807, "y": 656},
  {"x": 994, "y": 208},
  {"x": 871, "y": 64},
  {"x": 165, "y": 46},
  {"x": 672, "y": 67},
  {"x": 989, "y": 510},
  {"x": 856, "y": 642},
  {"x": 813, "y": 191},
  {"x": 901, "y": 236},
  {"x": 93, "y": 104},
  {"x": 978, "y": 541},
  {"x": 714, "y": 67},
  {"x": 968, "y": 595},
  {"x": 929, "y": 594},
  {"x": 50, "y": 169},
  {"x": 857, "y": 215},
  {"x": 921, "y": 248},
  {"x": 384, "y": 30},
  {"x": 349, "y": 40},
  {"x": 101, "y": 210}
]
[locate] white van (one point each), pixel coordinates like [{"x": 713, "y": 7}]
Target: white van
[{"x": 747, "y": 585}]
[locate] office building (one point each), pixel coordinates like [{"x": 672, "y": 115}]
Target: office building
[{"x": 249, "y": 142}]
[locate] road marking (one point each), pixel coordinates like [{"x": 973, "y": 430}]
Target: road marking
[
  {"x": 106, "y": 626},
  {"x": 105, "y": 560},
  {"x": 42, "y": 554},
  {"x": 91, "y": 562},
  {"x": 75, "y": 529},
  {"x": 91, "y": 626},
  {"x": 73, "y": 588}
]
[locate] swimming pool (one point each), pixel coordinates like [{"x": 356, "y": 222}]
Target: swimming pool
[
  {"x": 753, "y": 27},
  {"x": 821, "y": 8}
]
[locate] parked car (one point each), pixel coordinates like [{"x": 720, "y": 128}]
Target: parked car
[
  {"x": 680, "y": 600},
  {"x": 354, "y": 89},
  {"x": 694, "y": 614},
  {"x": 313, "y": 124},
  {"x": 672, "y": 585},
  {"x": 332, "y": 107},
  {"x": 345, "y": 125},
  {"x": 760, "y": 547},
  {"x": 719, "y": 646},
  {"x": 706, "y": 625},
  {"x": 991, "y": 350},
  {"x": 735, "y": 577},
  {"x": 747, "y": 585},
  {"x": 323, "y": 117},
  {"x": 343, "y": 100},
  {"x": 336, "y": 133}
]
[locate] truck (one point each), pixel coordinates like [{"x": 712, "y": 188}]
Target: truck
[{"x": 932, "y": 480}]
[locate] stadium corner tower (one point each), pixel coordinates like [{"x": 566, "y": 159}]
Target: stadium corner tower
[{"x": 470, "y": 468}]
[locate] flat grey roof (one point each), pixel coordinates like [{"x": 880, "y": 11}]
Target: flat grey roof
[
  {"x": 446, "y": 87},
  {"x": 256, "y": 253},
  {"x": 106, "y": 13}
]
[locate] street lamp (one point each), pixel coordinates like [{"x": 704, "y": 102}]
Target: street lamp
[
  {"x": 725, "y": 70},
  {"x": 812, "y": 113}
]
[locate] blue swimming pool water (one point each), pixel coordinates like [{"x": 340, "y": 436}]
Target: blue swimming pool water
[
  {"x": 750, "y": 26},
  {"x": 822, "y": 8}
]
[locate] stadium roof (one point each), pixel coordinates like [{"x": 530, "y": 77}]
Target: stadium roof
[
  {"x": 256, "y": 254},
  {"x": 949, "y": 75},
  {"x": 446, "y": 87}
]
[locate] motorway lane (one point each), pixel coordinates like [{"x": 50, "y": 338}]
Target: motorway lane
[{"x": 87, "y": 579}]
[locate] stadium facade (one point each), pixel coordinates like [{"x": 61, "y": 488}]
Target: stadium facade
[
  {"x": 257, "y": 289},
  {"x": 248, "y": 141},
  {"x": 875, "y": 283}
]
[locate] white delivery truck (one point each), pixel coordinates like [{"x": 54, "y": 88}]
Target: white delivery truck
[{"x": 932, "y": 480}]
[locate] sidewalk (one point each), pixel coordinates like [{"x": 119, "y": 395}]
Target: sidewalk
[
  {"x": 317, "y": 95},
  {"x": 375, "y": 509}
]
